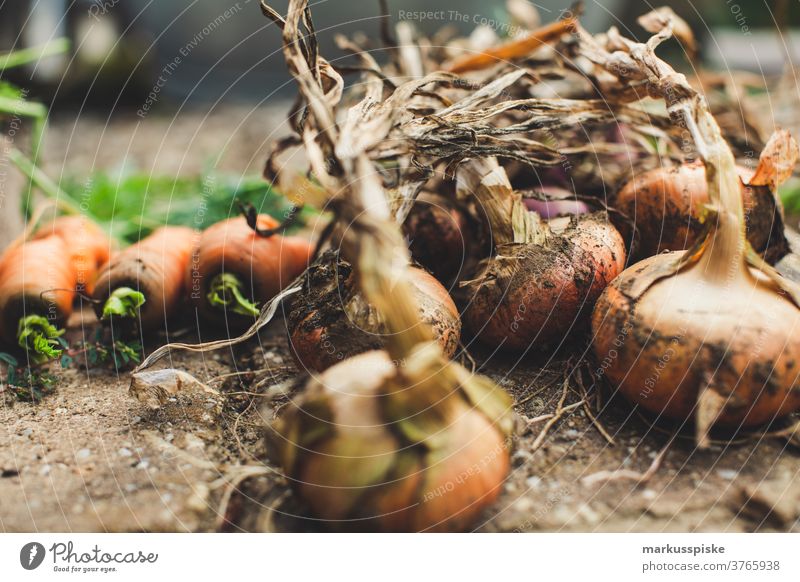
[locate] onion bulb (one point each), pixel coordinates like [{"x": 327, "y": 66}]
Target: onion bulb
[
  {"x": 543, "y": 276},
  {"x": 441, "y": 237},
  {"x": 667, "y": 207},
  {"x": 713, "y": 332},
  {"x": 373, "y": 446},
  {"x": 330, "y": 321}
]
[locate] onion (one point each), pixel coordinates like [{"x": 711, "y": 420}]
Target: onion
[
  {"x": 372, "y": 446},
  {"x": 543, "y": 277},
  {"x": 559, "y": 202},
  {"x": 713, "y": 332},
  {"x": 441, "y": 237},
  {"x": 667, "y": 206},
  {"x": 330, "y": 321}
]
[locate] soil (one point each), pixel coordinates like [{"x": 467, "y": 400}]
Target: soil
[{"x": 90, "y": 457}]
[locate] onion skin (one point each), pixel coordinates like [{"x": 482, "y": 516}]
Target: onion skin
[
  {"x": 356, "y": 468},
  {"x": 329, "y": 321},
  {"x": 685, "y": 333},
  {"x": 534, "y": 293},
  {"x": 666, "y": 205},
  {"x": 264, "y": 265},
  {"x": 441, "y": 237}
]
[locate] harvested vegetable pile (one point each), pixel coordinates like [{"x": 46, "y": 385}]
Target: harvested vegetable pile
[{"x": 558, "y": 193}]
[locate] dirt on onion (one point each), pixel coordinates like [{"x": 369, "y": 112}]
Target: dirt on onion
[
  {"x": 330, "y": 321},
  {"x": 370, "y": 446},
  {"x": 667, "y": 208}
]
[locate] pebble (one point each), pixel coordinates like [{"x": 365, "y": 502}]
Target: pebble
[
  {"x": 130, "y": 487},
  {"x": 533, "y": 482},
  {"x": 649, "y": 494},
  {"x": 728, "y": 474},
  {"x": 125, "y": 452},
  {"x": 83, "y": 454},
  {"x": 27, "y": 432},
  {"x": 45, "y": 470},
  {"x": 590, "y": 515},
  {"x": 143, "y": 464}
]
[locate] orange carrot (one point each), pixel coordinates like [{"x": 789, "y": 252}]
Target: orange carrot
[
  {"x": 37, "y": 287},
  {"x": 146, "y": 279},
  {"x": 515, "y": 49},
  {"x": 40, "y": 278},
  {"x": 85, "y": 244},
  {"x": 233, "y": 269}
]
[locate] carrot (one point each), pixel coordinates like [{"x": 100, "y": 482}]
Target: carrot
[
  {"x": 147, "y": 279},
  {"x": 86, "y": 245},
  {"x": 40, "y": 279},
  {"x": 515, "y": 49},
  {"x": 233, "y": 269},
  {"x": 37, "y": 289}
]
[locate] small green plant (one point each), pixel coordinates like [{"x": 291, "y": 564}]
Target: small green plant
[
  {"x": 25, "y": 383},
  {"x": 40, "y": 338},
  {"x": 101, "y": 351}
]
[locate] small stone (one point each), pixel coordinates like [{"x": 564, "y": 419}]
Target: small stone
[
  {"x": 143, "y": 464},
  {"x": 649, "y": 494},
  {"x": 27, "y": 432},
  {"x": 125, "y": 452},
  {"x": 83, "y": 454},
  {"x": 533, "y": 482},
  {"x": 728, "y": 474},
  {"x": 130, "y": 487},
  {"x": 45, "y": 470}
]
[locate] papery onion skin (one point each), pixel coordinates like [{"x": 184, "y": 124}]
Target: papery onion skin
[
  {"x": 329, "y": 320},
  {"x": 685, "y": 333},
  {"x": 532, "y": 293},
  {"x": 666, "y": 205},
  {"x": 442, "y": 237},
  {"x": 358, "y": 472}
]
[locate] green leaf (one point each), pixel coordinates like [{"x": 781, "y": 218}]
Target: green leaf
[
  {"x": 9, "y": 359},
  {"x": 39, "y": 338},
  {"x": 33, "y": 54},
  {"x": 123, "y": 302},
  {"x": 226, "y": 292}
]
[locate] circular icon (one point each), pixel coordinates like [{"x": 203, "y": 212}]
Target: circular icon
[{"x": 31, "y": 555}]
